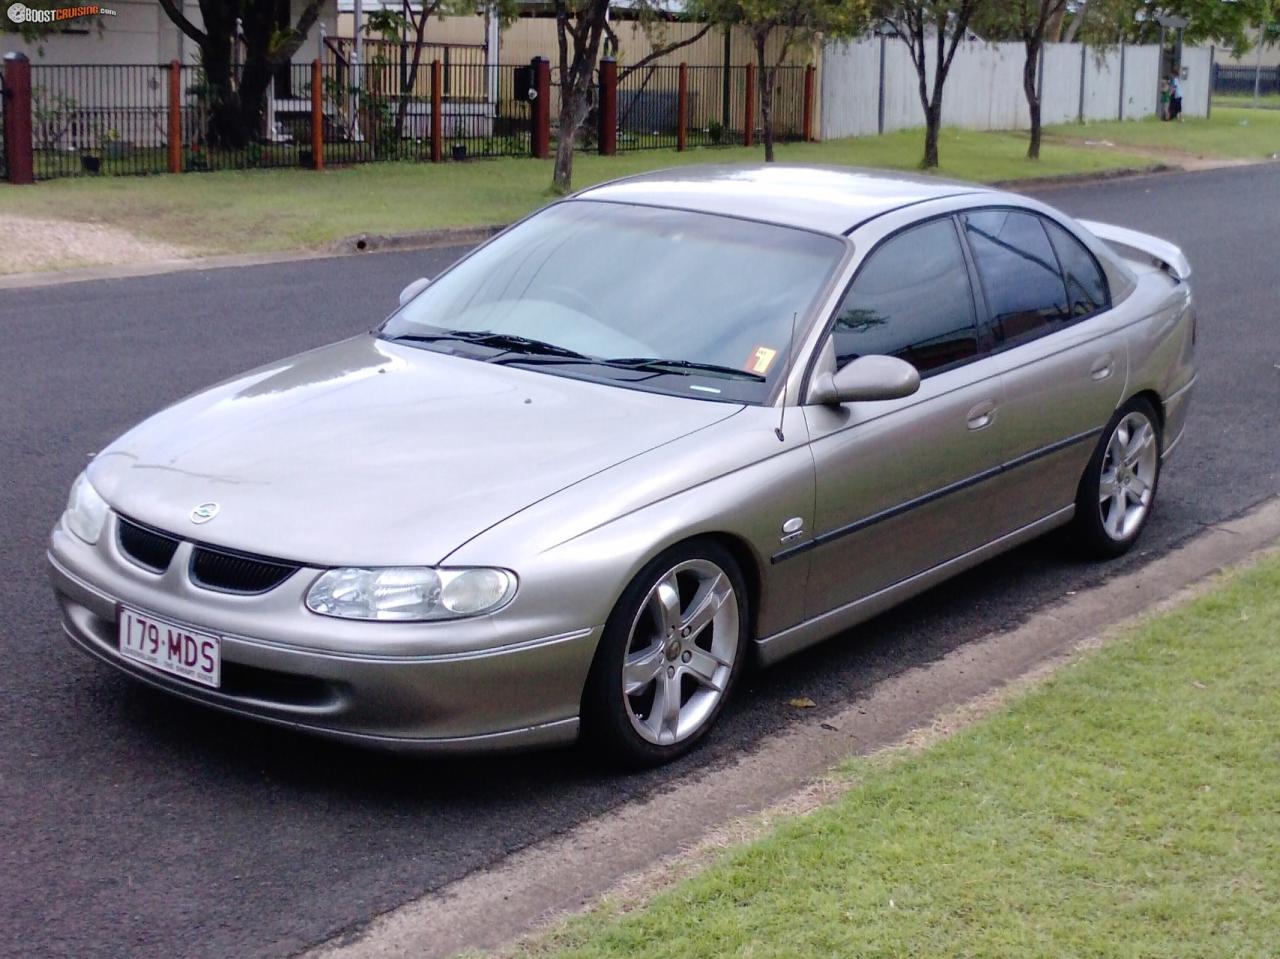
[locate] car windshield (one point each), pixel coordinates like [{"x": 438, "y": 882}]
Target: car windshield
[{"x": 669, "y": 300}]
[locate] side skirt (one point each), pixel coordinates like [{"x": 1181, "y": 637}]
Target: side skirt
[{"x": 770, "y": 649}]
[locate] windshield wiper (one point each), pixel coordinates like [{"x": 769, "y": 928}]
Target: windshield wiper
[
  {"x": 659, "y": 365},
  {"x": 508, "y": 342},
  {"x": 640, "y": 364}
]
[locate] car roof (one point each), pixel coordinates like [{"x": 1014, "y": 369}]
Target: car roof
[{"x": 826, "y": 199}]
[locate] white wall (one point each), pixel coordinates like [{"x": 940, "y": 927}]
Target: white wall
[{"x": 984, "y": 87}]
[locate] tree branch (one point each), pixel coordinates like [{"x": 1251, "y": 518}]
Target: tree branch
[
  {"x": 663, "y": 51},
  {"x": 175, "y": 14}
]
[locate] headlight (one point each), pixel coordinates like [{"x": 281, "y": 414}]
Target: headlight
[
  {"x": 410, "y": 593},
  {"x": 86, "y": 510}
]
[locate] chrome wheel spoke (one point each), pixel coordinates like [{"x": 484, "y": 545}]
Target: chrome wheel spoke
[
  {"x": 641, "y": 668},
  {"x": 705, "y": 607},
  {"x": 1115, "y": 516},
  {"x": 663, "y": 721},
  {"x": 1139, "y": 490},
  {"x": 666, "y": 602},
  {"x": 1107, "y": 487},
  {"x": 1142, "y": 441},
  {"x": 703, "y": 667}
]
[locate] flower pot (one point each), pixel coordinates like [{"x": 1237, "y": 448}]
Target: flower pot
[
  {"x": 459, "y": 151},
  {"x": 90, "y": 163}
]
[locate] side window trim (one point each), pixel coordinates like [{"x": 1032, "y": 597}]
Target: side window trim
[{"x": 979, "y": 305}]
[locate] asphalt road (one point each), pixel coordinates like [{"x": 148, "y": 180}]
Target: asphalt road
[{"x": 134, "y": 824}]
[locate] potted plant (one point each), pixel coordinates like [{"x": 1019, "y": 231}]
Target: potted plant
[
  {"x": 459, "y": 151},
  {"x": 90, "y": 161}
]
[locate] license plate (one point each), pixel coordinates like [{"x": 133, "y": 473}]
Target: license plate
[{"x": 170, "y": 648}]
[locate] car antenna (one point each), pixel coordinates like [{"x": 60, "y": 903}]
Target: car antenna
[{"x": 786, "y": 377}]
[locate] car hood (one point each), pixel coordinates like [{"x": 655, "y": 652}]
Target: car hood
[{"x": 375, "y": 453}]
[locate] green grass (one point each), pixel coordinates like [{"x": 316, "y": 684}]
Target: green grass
[
  {"x": 1130, "y": 807},
  {"x": 266, "y": 210},
  {"x": 1229, "y": 132},
  {"x": 1270, "y": 101}
]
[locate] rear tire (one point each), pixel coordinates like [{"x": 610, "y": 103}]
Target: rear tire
[
  {"x": 671, "y": 653},
  {"x": 1118, "y": 489}
]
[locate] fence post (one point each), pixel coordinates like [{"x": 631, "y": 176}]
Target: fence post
[
  {"x": 1213, "y": 79},
  {"x": 608, "y": 116},
  {"x": 17, "y": 118},
  {"x": 682, "y": 109},
  {"x": 809, "y": 72},
  {"x": 175, "y": 116},
  {"x": 437, "y": 111},
  {"x": 880, "y": 111},
  {"x": 541, "y": 138},
  {"x": 1120, "y": 109},
  {"x": 1084, "y": 47},
  {"x": 317, "y": 115},
  {"x": 749, "y": 122}
]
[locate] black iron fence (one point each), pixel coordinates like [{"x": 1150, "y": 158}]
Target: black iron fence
[
  {"x": 154, "y": 118},
  {"x": 1232, "y": 79}
]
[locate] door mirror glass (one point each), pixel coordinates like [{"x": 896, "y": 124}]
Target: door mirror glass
[
  {"x": 866, "y": 379},
  {"x": 413, "y": 289}
]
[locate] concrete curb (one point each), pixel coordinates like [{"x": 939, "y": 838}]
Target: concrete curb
[
  {"x": 492, "y": 907},
  {"x": 1099, "y": 176}
]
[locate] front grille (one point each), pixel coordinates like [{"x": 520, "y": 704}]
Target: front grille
[
  {"x": 231, "y": 572},
  {"x": 149, "y": 548}
]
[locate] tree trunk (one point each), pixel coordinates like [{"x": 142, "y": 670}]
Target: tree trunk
[
  {"x": 402, "y": 109},
  {"x": 1033, "y": 97},
  {"x": 932, "y": 125},
  {"x": 562, "y": 177},
  {"x": 764, "y": 74}
]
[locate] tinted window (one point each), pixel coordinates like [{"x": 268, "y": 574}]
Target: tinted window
[
  {"x": 1019, "y": 272},
  {"x": 911, "y": 299},
  {"x": 1086, "y": 286}
]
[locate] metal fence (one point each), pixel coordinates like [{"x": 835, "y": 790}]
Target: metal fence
[
  {"x": 117, "y": 119},
  {"x": 1231, "y": 79}
]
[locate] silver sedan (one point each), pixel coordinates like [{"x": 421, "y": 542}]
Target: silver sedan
[{"x": 654, "y": 431}]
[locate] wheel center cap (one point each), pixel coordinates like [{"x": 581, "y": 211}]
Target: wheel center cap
[{"x": 673, "y": 649}]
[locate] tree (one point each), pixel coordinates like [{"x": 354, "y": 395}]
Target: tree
[
  {"x": 580, "y": 25},
  {"x": 1028, "y": 21},
  {"x": 1103, "y": 22},
  {"x": 237, "y": 107},
  {"x": 922, "y": 24},
  {"x": 792, "y": 22}
]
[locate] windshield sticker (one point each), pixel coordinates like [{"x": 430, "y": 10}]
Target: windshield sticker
[
  {"x": 704, "y": 389},
  {"x": 761, "y": 359}
]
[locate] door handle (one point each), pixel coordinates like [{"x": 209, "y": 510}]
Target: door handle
[
  {"x": 1102, "y": 367},
  {"x": 980, "y": 416}
]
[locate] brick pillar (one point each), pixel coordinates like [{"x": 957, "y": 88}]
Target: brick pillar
[
  {"x": 749, "y": 114},
  {"x": 17, "y": 118},
  {"x": 175, "y": 116},
  {"x": 809, "y": 72},
  {"x": 437, "y": 111},
  {"x": 541, "y": 108},
  {"x": 317, "y": 115},
  {"x": 682, "y": 109},
  {"x": 608, "y": 133}
]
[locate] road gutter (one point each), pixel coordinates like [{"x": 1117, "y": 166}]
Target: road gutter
[{"x": 493, "y": 907}]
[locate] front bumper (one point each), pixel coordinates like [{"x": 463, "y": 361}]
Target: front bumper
[{"x": 457, "y": 686}]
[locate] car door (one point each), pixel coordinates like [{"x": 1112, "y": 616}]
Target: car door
[
  {"x": 1064, "y": 361},
  {"x": 901, "y": 483}
]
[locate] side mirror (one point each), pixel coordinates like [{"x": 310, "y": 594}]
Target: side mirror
[
  {"x": 868, "y": 378},
  {"x": 413, "y": 289}
]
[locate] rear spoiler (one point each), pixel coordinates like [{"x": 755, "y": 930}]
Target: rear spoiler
[{"x": 1142, "y": 247}]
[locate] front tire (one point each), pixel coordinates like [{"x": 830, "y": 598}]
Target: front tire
[
  {"x": 669, "y": 657},
  {"x": 1119, "y": 485}
]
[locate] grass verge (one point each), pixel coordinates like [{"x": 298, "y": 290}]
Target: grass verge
[
  {"x": 258, "y": 211},
  {"x": 1231, "y": 132},
  {"x": 1268, "y": 101},
  {"x": 1126, "y": 807}
]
